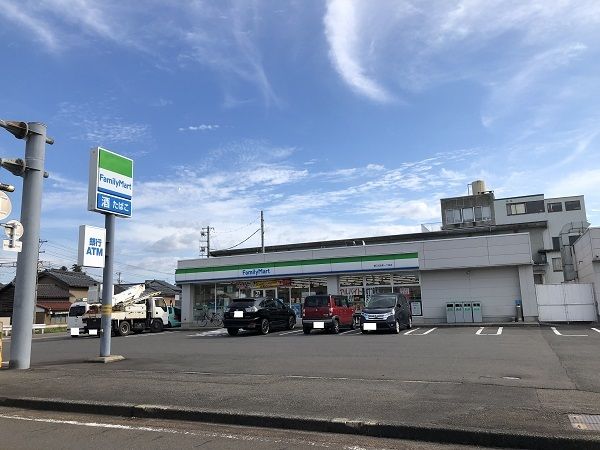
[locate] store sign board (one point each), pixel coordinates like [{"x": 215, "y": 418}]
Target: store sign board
[
  {"x": 110, "y": 187},
  {"x": 92, "y": 246}
]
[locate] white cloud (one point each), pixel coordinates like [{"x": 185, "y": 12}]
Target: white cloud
[
  {"x": 201, "y": 127},
  {"x": 341, "y": 30},
  {"x": 15, "y": 13}
]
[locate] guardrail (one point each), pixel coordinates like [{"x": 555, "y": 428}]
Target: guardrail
[{"x": 7, "y": 330}]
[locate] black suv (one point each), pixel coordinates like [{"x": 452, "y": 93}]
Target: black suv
[
  {"x": 262, "y": 314},
  {"x": 386, "y": 312}
]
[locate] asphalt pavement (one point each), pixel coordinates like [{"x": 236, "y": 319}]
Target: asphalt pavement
[{"x": 516, "y": 381}]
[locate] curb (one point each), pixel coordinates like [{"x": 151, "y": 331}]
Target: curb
[{"x": 444, "y": 435}]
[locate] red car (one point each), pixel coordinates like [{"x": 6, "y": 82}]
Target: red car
[{"x": 327, "y": 312}]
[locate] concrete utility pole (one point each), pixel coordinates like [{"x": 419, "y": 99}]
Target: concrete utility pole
[
  {"x": 262, "y": 231},
  {"x": 32, "y": 171}
]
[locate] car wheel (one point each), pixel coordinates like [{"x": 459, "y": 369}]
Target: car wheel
[
  {"x": 124, "y": 328},
  {"x": 397, "y": 327},
  {"x": 233, "y": 331},
  {"x": 291, "y": 322},
  {"x": 409, "y": 323},
  {"x": 264, "y": 326},
  {"x": 335, "y": 327},
  {"x": 306, "y": 330}
]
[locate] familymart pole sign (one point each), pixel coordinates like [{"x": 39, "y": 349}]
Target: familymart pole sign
[{"x": 111, "y": 183}]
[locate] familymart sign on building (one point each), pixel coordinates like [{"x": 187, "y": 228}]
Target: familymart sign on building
[{"x": 111, "y": 183}]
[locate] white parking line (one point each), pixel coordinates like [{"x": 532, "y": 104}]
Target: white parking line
[
  {"x": 420, "y": 334},
  {"x": 290, "y": 332},
  {"x": 498, "y": 333},
  {"x": 350, "y": 331},
  {"x": 596, "y": 330},
  {"x": 558, "y": 333},
  {"x": 411, "y": 331},
  {"x": 212, "y": 333}
]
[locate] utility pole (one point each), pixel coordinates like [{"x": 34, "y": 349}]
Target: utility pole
[
  {"x": 32, "y": 171},
  {"x": 262, "y": 231}
]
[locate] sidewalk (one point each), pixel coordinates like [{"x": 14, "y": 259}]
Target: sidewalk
[{"x": 457, "y": 413}]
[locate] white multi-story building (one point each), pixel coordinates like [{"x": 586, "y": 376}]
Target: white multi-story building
[{"x": 558, "y": 223}]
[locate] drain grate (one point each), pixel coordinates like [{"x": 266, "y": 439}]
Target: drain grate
[{"x": 585, "y": 421}]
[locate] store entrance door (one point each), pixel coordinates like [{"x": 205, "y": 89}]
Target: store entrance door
[{"x": 264, "y": 293}]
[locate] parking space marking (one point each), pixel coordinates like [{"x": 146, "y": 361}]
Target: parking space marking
[
  {"x": 596, "y": 330},
  {"x": 420, "y": 334},
  {"x": 212, "y": 333},
  {"x": 350, "y": 331},
  {"x": 290, "y": 332},
  {"x": 558, "y": 333},
  {"x": 497, "y": 333}
]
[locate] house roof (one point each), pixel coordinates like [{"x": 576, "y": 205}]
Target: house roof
[
  {"x": 59, "y": 306},
  {"x": 49, "y": 291},
  {"x": 71, "y": 279}
]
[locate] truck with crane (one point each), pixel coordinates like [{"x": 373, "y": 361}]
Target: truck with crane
[{"x": 132, "y": 312}]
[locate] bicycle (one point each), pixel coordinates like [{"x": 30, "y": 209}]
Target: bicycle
[{"x": 210, "y": 318}]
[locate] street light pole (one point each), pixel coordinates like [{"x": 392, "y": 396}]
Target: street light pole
[{"x": 27, "y": 260}]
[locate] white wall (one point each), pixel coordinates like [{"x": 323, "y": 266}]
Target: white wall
[
  {"x": 496, "y": 288},
  {"x": 587, "y": 259}
]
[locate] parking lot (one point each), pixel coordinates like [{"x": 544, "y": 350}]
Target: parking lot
[{"x": 527, "y": 378}]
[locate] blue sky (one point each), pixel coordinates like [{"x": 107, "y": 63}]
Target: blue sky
[{"x": 338, "y": 118}]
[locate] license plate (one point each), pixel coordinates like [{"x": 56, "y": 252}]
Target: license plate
[
  {"x": 238, "y": 314},
  {"x": 369, "y": 326},
  {"x": 74, "y": 331},
  {"x": 93, "y": 332},
  {"x": 318, "y": 324}
]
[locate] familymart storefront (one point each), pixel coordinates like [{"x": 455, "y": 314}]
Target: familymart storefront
[{"x": 211, "y": 284}]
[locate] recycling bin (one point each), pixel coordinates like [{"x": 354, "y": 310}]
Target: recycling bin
[
  {"x": 477, "y": 314},
  {"x": 458, "y": 312},
  {"x": 467, "y": 312},
  {"x": 450, "y": 316}
]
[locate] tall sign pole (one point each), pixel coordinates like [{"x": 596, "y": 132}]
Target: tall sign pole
[
  {"x": 110, "y": 192},
  {"x": 32, "y": 171}
]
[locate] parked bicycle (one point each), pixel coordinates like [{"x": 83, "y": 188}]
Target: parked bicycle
[{"x": 208, "y": 318}]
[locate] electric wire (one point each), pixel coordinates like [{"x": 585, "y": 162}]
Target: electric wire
[{"x": 240, "y": 243}]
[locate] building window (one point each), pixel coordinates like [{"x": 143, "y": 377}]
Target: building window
[
  {"x": 453, "y": 216},
  {"x": 572, "y": 239},
  {"x": 556, "y": 244},
  {"x": 572, "y": 205},
  {"x": 483, "y": 213},
  {"x": 557, "y": 265},
  {"x": 531, "y": 207},
  {"x": 515, "y": 208},
  {"x": 467, "y": 214},
  {"x": 554, "y": 207}
]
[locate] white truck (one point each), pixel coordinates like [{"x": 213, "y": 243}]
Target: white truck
[{"x": 131, "y": 312}]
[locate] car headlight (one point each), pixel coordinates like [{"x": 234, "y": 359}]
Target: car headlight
[
  {"x": 390, "y": 314},
  {"x": 363, "y": 315}
]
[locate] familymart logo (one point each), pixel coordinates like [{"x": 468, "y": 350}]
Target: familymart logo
[
  {"x": 256, "y": 272},
  {"x": 115, "y": 174}
]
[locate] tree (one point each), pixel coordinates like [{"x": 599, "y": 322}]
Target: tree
[{"x": 76, "y": 268}]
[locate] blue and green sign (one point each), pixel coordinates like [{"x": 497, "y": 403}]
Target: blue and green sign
[{"x": 111, "y": 183}]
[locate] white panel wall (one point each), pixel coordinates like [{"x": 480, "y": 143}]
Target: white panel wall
[
  {"x": 496, "y": 289},
  {"x": 587, "y": 261}
]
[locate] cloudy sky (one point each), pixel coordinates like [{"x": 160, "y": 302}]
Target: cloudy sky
[{"x": 339, "y": 118}]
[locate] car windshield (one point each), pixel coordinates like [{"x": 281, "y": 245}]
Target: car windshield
[
  {"x": 76, "y": 311},
  {"x": 381, "y": 301},
  {"x": 316, "y": 301}
]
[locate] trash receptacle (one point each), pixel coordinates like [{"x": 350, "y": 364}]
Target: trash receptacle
[
  {"x": 450, "y": 316},
  {"x": 467, "y": 312},
  {"x": 477, "y": 314},
  {"x": 458, "y": 312}
]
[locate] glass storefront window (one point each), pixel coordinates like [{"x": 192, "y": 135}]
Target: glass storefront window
[{"x": 379, "y": 279}]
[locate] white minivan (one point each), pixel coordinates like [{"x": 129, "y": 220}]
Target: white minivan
[{"x": 75, "y": 319}]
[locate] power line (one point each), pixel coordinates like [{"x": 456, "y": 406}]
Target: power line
[{"x": 240, "y": 243}]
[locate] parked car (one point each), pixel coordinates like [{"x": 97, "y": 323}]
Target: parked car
[
  {"x": 327, "y": 312},
  {"x": 174, "y": 316},
  {"x": 262, "y": 314},
  {"x": 386, "y": 312}
]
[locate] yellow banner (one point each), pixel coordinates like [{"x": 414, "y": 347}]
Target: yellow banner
[{"x": 106, "y": 309}]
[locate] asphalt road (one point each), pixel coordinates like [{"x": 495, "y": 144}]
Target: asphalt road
[
  {"x": 24, "y": 429},
  {"x": 525, "y": 379}
]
